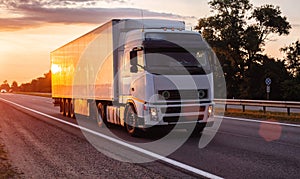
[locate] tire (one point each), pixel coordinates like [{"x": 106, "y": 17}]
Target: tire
[
  {"x": 100, "y": 115},
  {"x": 67, "y": 108},
  {"x": 63, "y": 107},
  {"x": 72, "y": 109},
  {"x": 197, "y": 131},
  {"x": 131, "y": 121}
]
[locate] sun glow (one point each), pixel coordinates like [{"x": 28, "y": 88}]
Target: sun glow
[
  {"x": 55, "y": 69},
  {"x": 28, "y": 35}
]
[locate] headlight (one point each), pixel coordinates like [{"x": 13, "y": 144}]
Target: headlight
[
  {"x": 153, "y": 114},
  {"x": 201, "y": 94},
  {"x": 153, "y": 111},
  {"x": 210, "y": 110}
]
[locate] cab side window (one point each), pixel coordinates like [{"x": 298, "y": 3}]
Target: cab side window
[
  {"x": 126, "y": 65},
  {"x": 140, "y": 60}
]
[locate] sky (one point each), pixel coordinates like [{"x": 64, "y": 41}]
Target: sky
[{"x": 31, "y": 29}]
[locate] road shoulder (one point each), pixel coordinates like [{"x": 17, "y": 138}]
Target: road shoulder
[{"x": 6, "y": 169}]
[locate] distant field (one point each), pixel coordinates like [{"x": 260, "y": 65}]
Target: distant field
[{"x": 49, "y": 95}]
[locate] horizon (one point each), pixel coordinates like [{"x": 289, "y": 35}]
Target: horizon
[{"x": 26, "y": 40}]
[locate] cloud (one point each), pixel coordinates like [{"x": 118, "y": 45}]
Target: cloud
[
  {"x": 52, "y": 3},
  {"x": 35, "y": 13},
  {"x": 296, "y": 25}
]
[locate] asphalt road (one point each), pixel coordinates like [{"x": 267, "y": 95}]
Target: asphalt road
[{"x": 41, "y": 147}]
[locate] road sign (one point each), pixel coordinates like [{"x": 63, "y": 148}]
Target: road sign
[
  {"x": 268, "y": 81},
  {"x": 268, "y": 89}
]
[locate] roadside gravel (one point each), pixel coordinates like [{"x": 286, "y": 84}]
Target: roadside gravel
[{"x": 41, "y": 149}]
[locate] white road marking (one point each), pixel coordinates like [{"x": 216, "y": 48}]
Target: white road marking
[
  {"x": 143, "y": 151},
  {"x": 258, "y": 121}
]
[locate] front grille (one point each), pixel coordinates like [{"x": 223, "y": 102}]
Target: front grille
[
  {"x": 183, "y": 94},
  {"x": 183, "y": 109},
  {"x": 183, "y": 119}
]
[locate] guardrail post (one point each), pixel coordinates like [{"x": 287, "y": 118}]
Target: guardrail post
[
  {"x": 243, "y": 108},
  {"x": 289, "y": 111},
  {"x": 264, "y": 108},
  {"x": 225, "y": 107}
]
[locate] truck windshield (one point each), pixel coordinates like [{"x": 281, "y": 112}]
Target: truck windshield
[{"x": 176, "y": 61}]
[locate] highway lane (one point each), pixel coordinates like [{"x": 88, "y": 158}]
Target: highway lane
[
  {"x": 239, "y": 150},
  {"x": 42, "y": 148}
]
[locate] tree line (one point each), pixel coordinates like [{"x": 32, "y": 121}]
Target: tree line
[
  {"x": 41, "y": 84},
  {"x": 238, "y": 33}
]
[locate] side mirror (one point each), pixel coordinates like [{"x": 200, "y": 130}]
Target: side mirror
[{"x": 134, "y": 69}]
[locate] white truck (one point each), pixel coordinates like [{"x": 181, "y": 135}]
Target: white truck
[{"x": 137, "y": 74}]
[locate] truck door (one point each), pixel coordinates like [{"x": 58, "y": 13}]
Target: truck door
[{"x": 125, "y": 77}]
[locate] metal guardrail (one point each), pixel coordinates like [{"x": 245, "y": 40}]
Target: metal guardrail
[{"x": 259, "y": 103}]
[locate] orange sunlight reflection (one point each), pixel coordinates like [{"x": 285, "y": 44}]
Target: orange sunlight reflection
[{"x": 270, "y": 132}]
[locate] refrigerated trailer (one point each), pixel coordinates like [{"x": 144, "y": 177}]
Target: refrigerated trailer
[{"x": 138, "y": 74}]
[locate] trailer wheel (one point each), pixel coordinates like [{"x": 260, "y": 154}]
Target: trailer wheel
[
  {"x": 63, "y": 107},
  {"x": 67, "y": 107},
  {"x": 100, "y": 114},
  {"x": 72, "y": 111},
  {"x": 131, "y": 121}
]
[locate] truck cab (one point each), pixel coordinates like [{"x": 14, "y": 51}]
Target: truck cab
[{"x": 166, "y": 78}]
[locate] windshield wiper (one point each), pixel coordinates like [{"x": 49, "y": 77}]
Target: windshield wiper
[{"x": 193, "y": 66}]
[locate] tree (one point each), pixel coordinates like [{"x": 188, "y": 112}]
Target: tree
[
  {"x": 26, "y": 87},
  {"x": 5, "y": 85},
  {"x": 291, "y": 86},
  {"x": 291, "y": 89},
  {"x": 14, "y": 86},
  {"x": 238, "y": 33},
  {"x": 292, "y": 58},
  {"x": 41, "y": 84},
  {"x": 255, "y": 79}
]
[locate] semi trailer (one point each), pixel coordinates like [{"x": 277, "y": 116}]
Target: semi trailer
[{"x": 137, "y": 73}]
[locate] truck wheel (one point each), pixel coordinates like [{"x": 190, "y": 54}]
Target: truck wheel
[
  {"x": 131, "y": 121},
  {"x": 67, "y": 108},
  {"x": 197, "y": 131},
  {"x": 72, "y": 111},
  {"x": 63, "y": 107},
  {"x": 100, "y": 115}
]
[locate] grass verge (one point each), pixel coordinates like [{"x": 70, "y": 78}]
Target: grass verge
[
  {"x": 278, "y": 116},
  {"x": 48, "y": 95}
]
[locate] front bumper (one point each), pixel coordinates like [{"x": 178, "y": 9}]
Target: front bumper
[{"x": 172, "y": 114}]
